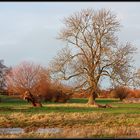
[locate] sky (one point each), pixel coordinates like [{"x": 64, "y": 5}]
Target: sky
[{"x": 28, "y": 30}]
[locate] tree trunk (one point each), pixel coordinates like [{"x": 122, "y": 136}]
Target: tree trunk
[
  {"x": 91, "y": 99},
  {"x": 33, "y": 103},
  {"x": 34, "y": 100}
]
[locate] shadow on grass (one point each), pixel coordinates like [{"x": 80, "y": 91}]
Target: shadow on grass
[
  {"x": 12, "y": 109},
  {"x": 98, "y": 100},
  {"x": 62, "y": 109}
]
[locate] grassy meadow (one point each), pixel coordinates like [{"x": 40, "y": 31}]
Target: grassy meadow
[{"x": 76, "y": 118}]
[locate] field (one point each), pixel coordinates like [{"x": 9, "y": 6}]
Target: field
[{"x": 75, "y": 118}]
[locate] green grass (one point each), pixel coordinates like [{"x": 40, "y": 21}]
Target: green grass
[{"x": 11, "y": 105}]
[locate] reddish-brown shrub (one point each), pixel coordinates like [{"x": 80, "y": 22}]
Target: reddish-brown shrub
[
  {"x": 137, "y": 93},
  {"x": 120, "y": 92},
  {"x": 57, "y": 93}
]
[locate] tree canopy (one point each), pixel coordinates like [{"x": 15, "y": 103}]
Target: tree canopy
[{"x": 93, "y": 51}]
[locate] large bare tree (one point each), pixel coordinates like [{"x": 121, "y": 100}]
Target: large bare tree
[{"x": 92, "y": 52}]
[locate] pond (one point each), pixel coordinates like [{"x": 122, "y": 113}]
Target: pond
[
  {"x": 11, "y": 130},
  {"x": 21, "y": 130}
]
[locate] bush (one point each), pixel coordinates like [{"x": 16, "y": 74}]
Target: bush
[
  {"x": 120, "y": 92},
  {"x": 137, "y": 93},
  {"x": 57, "y": 93}
]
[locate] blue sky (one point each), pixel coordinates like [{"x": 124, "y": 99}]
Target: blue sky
[{"x": 28, "y": 30}]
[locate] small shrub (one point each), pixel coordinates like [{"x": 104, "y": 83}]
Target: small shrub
[
  {"x": 57, "y": 93},
  {"x": 120, "y": 92}
]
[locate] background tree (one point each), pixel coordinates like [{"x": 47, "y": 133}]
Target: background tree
[
  {"x": 92, "y": 53},
  {"x": 136, "y": 78},
  {"x": 28, "y": 79},
  {"x": 3, "y": 70}
]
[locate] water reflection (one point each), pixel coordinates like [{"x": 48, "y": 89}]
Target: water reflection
[
  {"x": 11, "y": 130},
  {"x": 48, "y": 130},
  {"x": 21, "y": 130}
]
